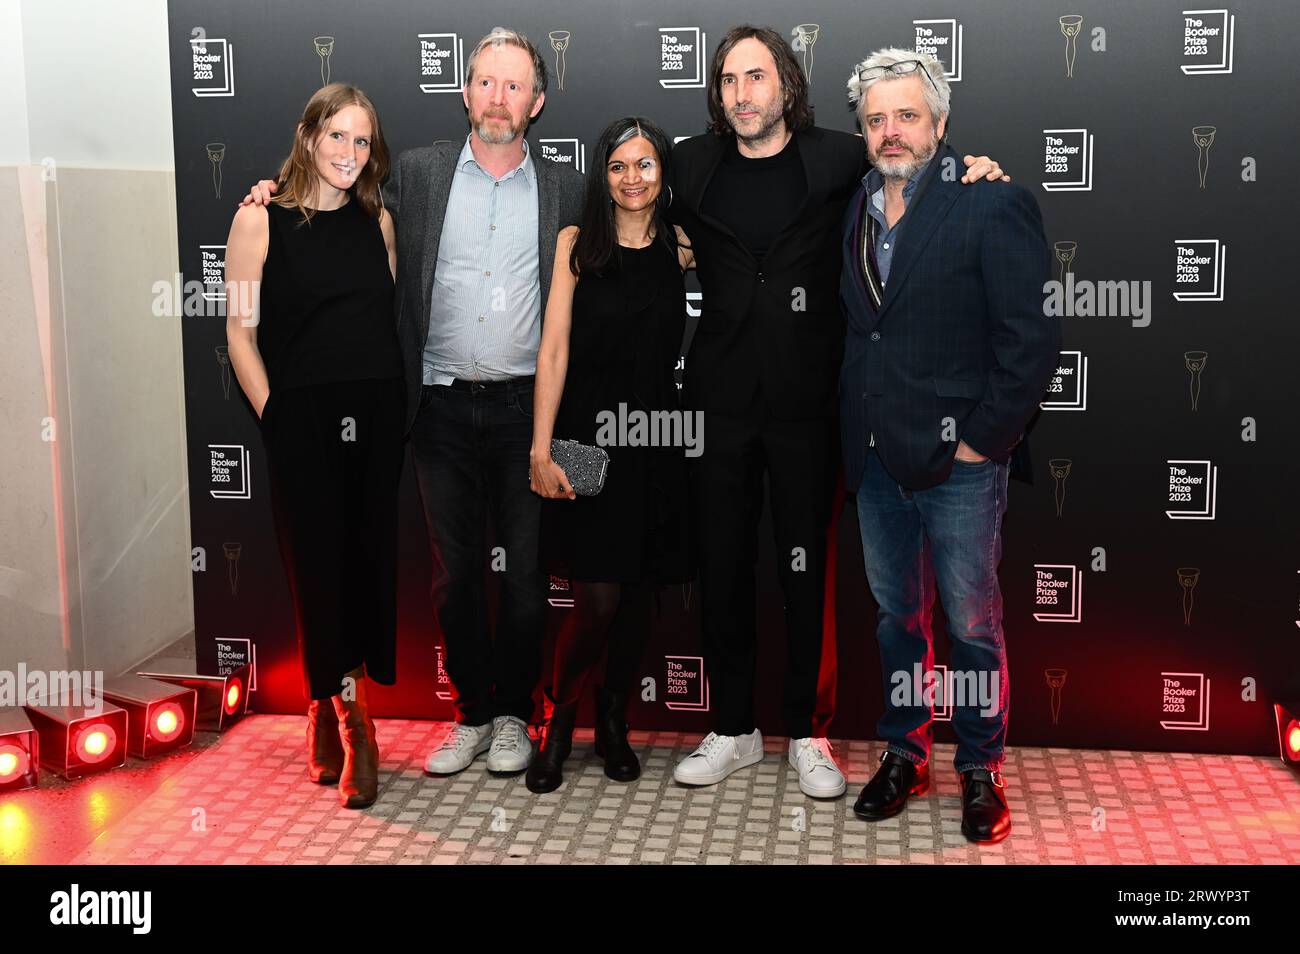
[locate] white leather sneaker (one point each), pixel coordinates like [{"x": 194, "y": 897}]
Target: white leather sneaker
[
  {"x": 718, "y": 756},
  {"x": 463, "y": 744},
  {"x": 819, "y": 776},
  {"x": 511, "y": 749}
]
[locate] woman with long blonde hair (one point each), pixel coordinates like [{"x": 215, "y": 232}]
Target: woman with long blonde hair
[{"x": 314, "y": 346}]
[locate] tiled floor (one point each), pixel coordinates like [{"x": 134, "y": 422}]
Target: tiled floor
[{"x": 246, "y": 800}]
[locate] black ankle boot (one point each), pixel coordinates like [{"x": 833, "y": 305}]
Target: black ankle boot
[
  {"x": 546, "y": 773},
  {"x": 611, "y": 736}
]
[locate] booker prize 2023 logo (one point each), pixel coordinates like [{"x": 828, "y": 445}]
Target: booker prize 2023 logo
[
  {"x": 442, "y": 62},
  {"x": 681, "y": 57},
  {"x": 1207, "y": 42},
  {"x": 1067, "y": 160},
  {"x": 213, "y": 65},
  {"x": 1193, "y": 489},
  {"x": 1200, "y": 269},
  {"x": 1058, "y": 593},
  {"x": 942, "y": 40}
]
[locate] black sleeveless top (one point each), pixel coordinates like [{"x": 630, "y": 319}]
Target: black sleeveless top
[{"x": 326, "y": 299}]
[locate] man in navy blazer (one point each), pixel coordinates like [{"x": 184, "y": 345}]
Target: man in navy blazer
[{"x": 947, "y": 354}]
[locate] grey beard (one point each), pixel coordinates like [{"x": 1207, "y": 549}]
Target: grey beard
[{"x": 496, "y": 137}]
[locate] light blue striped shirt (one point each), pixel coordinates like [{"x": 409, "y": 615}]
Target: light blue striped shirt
[{"x": 486, "y": 317}]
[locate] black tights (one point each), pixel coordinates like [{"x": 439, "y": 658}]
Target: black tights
[{"x": 613, "y": 616}]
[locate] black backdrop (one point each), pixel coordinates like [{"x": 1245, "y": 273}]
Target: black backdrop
[{"x": 1165, "y": 611}]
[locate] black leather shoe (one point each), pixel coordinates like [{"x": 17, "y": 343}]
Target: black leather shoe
[
  {"x": 985, "y": 817},
  {"x": 887, "y": 792},
  {"x": 621, "y": 763},
  {"x": 546, "y": 772}
]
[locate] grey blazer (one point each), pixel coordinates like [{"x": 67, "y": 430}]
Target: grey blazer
[{"x": 416, "y": 196}]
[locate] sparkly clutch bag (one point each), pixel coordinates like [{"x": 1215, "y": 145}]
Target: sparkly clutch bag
[{"x": 583, "y": 464}]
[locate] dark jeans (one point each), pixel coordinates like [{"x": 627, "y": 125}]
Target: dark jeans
[
  {"x": 949, "y": 535},
  {"x": 471, "y": 460},
  {"x": 800, "y": 461}
]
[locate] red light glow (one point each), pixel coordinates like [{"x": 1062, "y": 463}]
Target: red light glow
[
  {"x": 96, "y": 742},
  {"x": 232, "y": 697}
]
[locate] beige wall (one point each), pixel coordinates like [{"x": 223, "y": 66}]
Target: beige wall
[{"x": 94, "y": 526}]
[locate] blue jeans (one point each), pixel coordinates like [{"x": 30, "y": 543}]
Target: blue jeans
[{"x": 949, "y": 535}]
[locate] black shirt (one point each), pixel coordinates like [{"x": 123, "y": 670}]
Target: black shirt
[
  {"x": 326, "y": 309},
  {"x": 756, "y": 198}
]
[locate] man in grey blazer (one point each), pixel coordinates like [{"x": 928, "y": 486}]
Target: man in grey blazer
[
  {"x": 476, "y": 230},
  {"x": 477, "y": 222}
]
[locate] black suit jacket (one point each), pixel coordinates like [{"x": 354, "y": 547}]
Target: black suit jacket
[
  {"x": 416, "y": 194},
  {"x": 961, "y": 332},
  {"x": 751, "y": 331}
]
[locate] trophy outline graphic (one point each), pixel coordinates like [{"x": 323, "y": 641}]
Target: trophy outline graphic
[
  {"x": 560, "y": 40},
  {"x": 1203, "y": 136},
  {"x": 454, "y": 84},
  {"x": 703, "y": 704},
  {"x": 1220, "y": 271},
  {"x": 1202, "y": 723},
  {"x": 579, "y": 152},
  {"x": 1071, "y": 27},
  {"x": 232, "y": 550},
  {"x": 1080, "y": 402},
  {"x": 1064, "y": 252},
  {"x": 1059, "y": 468},
  {"x": 216, "y": 154},
  {"x": 1211, "y": 493},
  {"x": 324, "y": 47},
  {"x": 953, "y": 73},
  {"x": 802, "y": 40},
  {"x": 1056, "y": 677},
  {"x": 1188, "y": 577},
  {"x": 223, "y": 362},
  {"x": 1225, "y": 61},
  {"x": 1085, "y": 163},
  {"x": 227, "y": 87},
  {"x": 219, "y": 294},
  {"x": 699, "y": 80},
  {"x": 1195, "y": 362}
]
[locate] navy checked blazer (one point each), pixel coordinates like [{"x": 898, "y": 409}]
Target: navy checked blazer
[{"x": 960, "y": 334}]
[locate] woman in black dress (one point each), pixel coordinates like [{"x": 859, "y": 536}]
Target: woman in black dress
[
  {"x": 316, "y": 352},
  {"x": 610, "y": 341}
]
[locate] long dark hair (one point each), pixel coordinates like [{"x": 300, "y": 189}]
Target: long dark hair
[
  {"x": 797, "y": 110},
  {"x": 597, "y": 240}
]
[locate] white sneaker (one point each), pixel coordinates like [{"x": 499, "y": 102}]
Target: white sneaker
[
  {"x": 463, "y": 744},
  {"x": 512, "y": 749},
  {"x": 819, "y": 776},
  {"x": 718, "y": 756}
]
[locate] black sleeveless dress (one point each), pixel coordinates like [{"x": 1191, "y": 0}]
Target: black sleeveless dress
[
  {"x": 332, "y": 429},
  {"x": 624, "y": 342}
]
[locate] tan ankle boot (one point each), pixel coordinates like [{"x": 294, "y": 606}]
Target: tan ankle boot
[
  {"x": 359, "y": 780},
  {"x": 324, "y": 748}
]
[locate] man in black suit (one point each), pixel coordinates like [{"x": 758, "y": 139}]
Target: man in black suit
[
  {"x": 761, "y": 197},
  {"x": 948, "y": 354}
]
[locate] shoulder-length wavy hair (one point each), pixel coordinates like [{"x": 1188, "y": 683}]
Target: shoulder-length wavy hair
[
  {"x": 797, "y": 111},
  {"x": 296, "y": 182},
  {"x": 597, "y": 241}
]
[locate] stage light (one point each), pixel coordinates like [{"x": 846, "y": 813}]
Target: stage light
[
  {"x": 160, "y": 715},
  {"x": 18, "y": 751},
  {"x": 1287, "y": 716},
  {"x": 222, "y": 700},
  {"x": 75, "y": 740}
]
